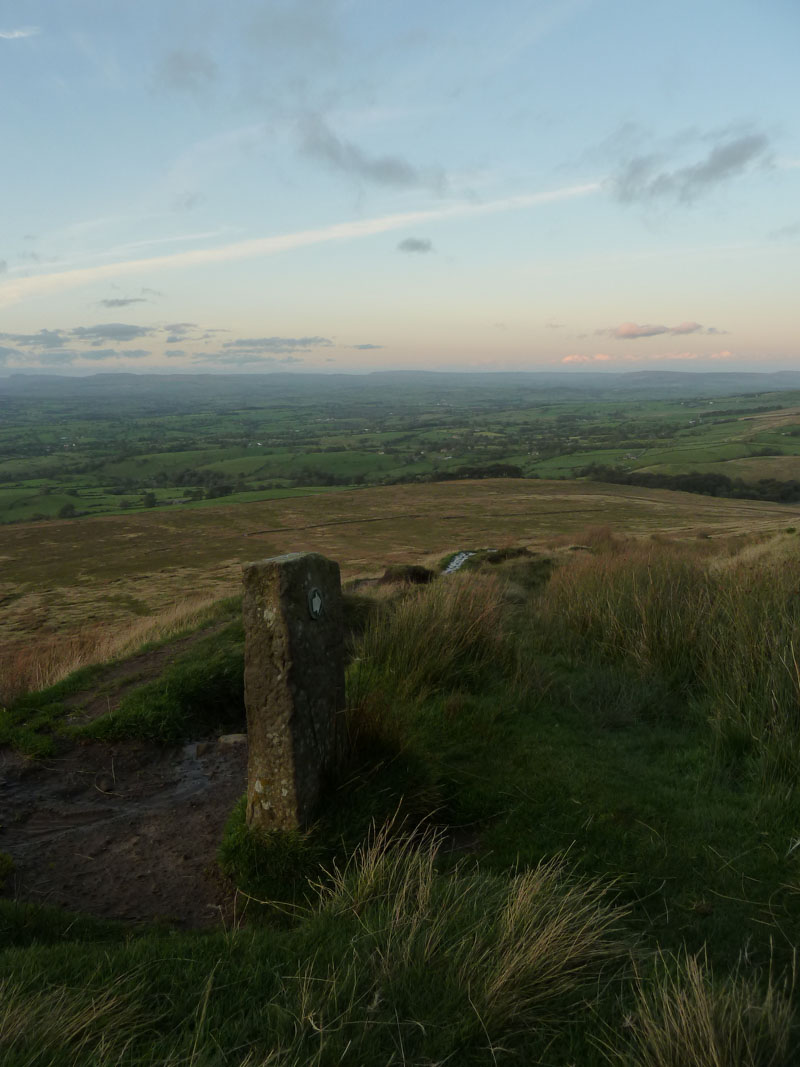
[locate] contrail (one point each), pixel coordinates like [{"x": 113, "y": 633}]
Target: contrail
[{"x": 12, "y": 292}]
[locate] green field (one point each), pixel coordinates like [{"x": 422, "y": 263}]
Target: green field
[{"x": 85, "y": 453}]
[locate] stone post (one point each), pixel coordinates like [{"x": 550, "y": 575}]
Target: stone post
[{"x": 293, "y": 683}]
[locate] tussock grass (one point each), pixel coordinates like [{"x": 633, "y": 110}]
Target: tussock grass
[
  {"x": 444, "y": 635},
  {"x": 49, "y": 660},
  {"x": 646, "y": 604},
  {"x": 750, "y": 665},
  {"x": 579, "y": 713},
  {"x": 391, "y": 961},
  {"x": 423, "y": 653},
  {"x": 62, "y": 1025},
  {"x": 523, "y": 948},
  {"x": 684, "y": 1017},
  {"x": 457, "y": 960},
  {"x": 726, "y": 637}
]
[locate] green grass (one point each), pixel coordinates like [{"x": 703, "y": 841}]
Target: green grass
[
  {"x": 586, "y": 843},
  {"x": 200, "y": 690},
  {"x": 467, "y": 618},
  {"x": 31, "y": 723},
  {"x": 391, "y": 962}
]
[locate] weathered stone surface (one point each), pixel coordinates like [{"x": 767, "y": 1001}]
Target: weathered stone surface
[{"x": 294, "y": 684}]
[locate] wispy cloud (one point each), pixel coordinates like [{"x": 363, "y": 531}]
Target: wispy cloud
[
  {"x": 646, "y": 178},
  {"x": 122, "y": 301},
  {"x": 185, "y": 71},
  {"x": 785, "y": 233},
  {"x": 109, "y": 331},
  {"x": 598, "y": 357},
  {"x": 658, "y": 357},
  {"x": 18, "y": 35},
  {"x": 249, "y": 349},
  {"x": 305, "y": 27},
  {"x": 108, "y": 341},
  {"x": 116, "y": 342},
  {"x": 12, "y": 292},
  {"x": 61, "y": 357},
  {"x": 86, "y": 336},
  {"x": 148, "y": 296},
  {"x": 243, "y": 358},
  {"x": 633, "y": 331},
  {"x": 40, "y": 339},
  {"x": 415, "y": 244},
  {"x": 318, "y": 141}
]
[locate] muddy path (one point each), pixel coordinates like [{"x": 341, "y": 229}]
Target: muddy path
[
  {"x": 124, "y": 831},
  {"x": 108, "y": 689}
]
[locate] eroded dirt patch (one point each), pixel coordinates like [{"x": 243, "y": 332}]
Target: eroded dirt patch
[
  {"x": 125, "y": 831},
  {"x": 115, "y": 682}
]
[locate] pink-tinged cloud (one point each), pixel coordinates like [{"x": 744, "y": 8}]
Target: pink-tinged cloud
[
  {"x": 630, "y": 331},
  {"x": 599, "y": 357},
  {"x": 658, "y": 357},
  {"x": 633, "y": 331}
]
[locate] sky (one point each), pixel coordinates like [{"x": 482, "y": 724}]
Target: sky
[{"x": 358, "y": 185}]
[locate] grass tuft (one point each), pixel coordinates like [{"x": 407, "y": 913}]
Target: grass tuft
[
  {"x": 269, "y": 866},
  {"x": 448, "y": 634},
  {"x": 61, "y": 1025},
  {"x": 684, "y": 1017},
  {"x": 519, "y": 952}
]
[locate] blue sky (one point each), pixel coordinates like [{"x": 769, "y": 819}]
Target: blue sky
[{"x": 343, "y": 185}]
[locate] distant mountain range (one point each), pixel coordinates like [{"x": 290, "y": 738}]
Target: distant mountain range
[{"x": 259, "y": 387}]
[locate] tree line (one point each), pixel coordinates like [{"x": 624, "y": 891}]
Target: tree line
[{"x": 706, "y": 483}]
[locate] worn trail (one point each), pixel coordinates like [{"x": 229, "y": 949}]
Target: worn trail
[{"x": 124, "y": 831}]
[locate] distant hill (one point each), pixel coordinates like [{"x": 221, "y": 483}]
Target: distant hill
[{"x": 244, "y": 388}]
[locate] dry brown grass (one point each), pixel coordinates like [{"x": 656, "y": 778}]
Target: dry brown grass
[
  {"x": 31, "y": 667},
  {"x": 718, "y": 619},
  {"x": 154, "y": 557},
  {"x": 684, "y": 1018},
  {"x": 69, "y": 588},
  {"x": 67, "y": 1025}
]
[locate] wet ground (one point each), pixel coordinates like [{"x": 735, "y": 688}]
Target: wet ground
[{"x": 125, "y": 831}]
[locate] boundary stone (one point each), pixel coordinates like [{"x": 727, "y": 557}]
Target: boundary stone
[{"x": 294, "y": 685}]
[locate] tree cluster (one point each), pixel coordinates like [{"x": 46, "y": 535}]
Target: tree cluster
[{"x": 707, "y": 483}]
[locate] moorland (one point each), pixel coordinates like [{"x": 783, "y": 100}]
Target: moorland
[{"x": 566, "y": 831}]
